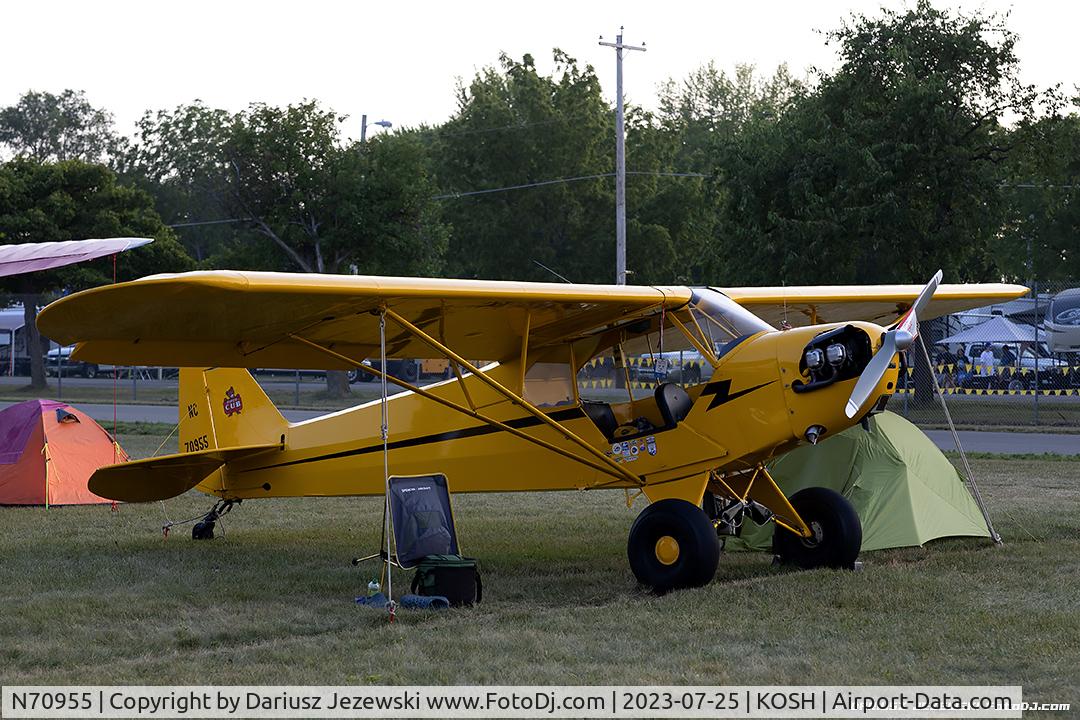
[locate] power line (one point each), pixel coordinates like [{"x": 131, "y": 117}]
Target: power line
[
  {"x": 209, "y": 222},
  {"x": 469, "y": 193},
  {"x": 1033, "y": 186},
  {"x": 516, "y": 126},
  {"x": 557, "y": 181}
]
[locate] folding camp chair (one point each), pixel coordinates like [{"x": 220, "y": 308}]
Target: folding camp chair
[{"x": 423, "y": 521}]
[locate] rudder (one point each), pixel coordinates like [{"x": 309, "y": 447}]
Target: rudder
[{"x": 223, "y": 408}]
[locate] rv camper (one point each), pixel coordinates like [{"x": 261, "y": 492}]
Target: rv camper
[{"x": 1062, "y": 322}]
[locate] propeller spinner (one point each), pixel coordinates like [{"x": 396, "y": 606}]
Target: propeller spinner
[{"x": 899, "y": 338}]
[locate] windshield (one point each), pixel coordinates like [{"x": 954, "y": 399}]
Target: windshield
[
  {"x": 1065, "y": 309},
  {"x": 722, "y": 319}
]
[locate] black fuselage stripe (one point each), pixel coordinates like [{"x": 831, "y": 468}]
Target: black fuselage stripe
[
  {"x": 517, "y": 423},
  {"x": 721, "y": 392}
]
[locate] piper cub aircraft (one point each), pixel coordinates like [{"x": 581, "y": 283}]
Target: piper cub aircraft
[{"x": 520, "y": 422}]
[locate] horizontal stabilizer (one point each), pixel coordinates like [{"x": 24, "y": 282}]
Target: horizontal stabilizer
[{"x": 160, "y": 478}]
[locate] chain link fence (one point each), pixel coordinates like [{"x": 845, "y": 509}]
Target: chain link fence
[{"x": 1010, "y": 365}]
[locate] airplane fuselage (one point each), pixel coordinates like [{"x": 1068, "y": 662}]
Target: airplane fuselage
[{"x": 748, "y": 411}]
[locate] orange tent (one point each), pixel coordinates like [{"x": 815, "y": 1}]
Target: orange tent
[{"x": 48, "y": 451}]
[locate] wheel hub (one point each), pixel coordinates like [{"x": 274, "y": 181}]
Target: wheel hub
[
  {"x": 818, "y": 533},
  {"x": 667, "y": 550}
]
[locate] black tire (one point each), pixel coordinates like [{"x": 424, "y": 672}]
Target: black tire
[
  {"x": 838, "y": 532},
  {"x": 697, "y": 549},
  {"x": 352, "y": 375},
  {"x": 90, "y": 371},
  {"x": 412, "y": 372}
]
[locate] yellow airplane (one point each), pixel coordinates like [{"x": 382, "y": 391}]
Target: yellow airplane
[{"x": 521, "y": 422}]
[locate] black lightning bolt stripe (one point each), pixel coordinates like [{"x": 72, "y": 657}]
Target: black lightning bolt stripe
[
  {"x": 518, "y": 423},
  {"x": 721, "y": 392}
]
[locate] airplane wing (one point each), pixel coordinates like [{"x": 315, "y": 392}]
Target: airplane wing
[
  {"x": 882, "y": 304},
  {"x": 30, "y": 257},
  {"x": 166, "y": 476},
  {"x": 253, "y": 319}
]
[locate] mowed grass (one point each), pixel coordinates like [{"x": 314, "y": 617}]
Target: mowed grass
[{"x": 94, "y": 596}]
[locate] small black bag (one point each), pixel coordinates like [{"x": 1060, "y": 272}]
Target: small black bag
[{"x": 452, "y": 576}]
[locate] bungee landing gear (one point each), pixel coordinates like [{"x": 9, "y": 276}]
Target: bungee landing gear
[{"x": 676, "y": 544}]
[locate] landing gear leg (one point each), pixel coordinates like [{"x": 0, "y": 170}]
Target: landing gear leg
[
  {"x": 204, "y": 529},
  {"x": 673, "y": 545}
]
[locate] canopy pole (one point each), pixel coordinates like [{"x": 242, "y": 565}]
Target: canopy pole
[
  {"x": 385, "y": 431},
  {"x": 969, "y": 476},
  {"x": 45, "y": 452},
  {"x": 115, "y": 376}
]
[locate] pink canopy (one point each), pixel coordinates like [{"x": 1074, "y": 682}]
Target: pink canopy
[{"x": 28, "y": 257}]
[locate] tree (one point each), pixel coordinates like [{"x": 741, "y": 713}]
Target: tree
[
  {"x": 516, "y": 127},
  {"x": 73, "y": 200},
  {"x": 317, "y": 204},
  {"x": 890, "y": 168},
  {"x": 1040, "y": 239},
  {"x": 49, "y": 128},
  {"x": 678, "y": 219}
]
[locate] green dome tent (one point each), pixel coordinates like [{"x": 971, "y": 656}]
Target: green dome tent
[{"x": 905, "y": 490}]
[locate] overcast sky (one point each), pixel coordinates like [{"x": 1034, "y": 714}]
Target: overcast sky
[{"x": 401, "y": 60}]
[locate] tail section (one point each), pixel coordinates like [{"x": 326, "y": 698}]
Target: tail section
[{"x": 224, "y": 408}]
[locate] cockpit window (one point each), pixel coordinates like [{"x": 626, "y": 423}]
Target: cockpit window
[{"x": 722, "y": 320}]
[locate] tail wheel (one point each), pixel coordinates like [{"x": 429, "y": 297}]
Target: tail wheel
[
  {"x": 673, "y": 545},
  {"x": 837, "y": 531}
]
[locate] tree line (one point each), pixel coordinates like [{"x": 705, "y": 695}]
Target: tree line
[{"x": 922, "y": 149}]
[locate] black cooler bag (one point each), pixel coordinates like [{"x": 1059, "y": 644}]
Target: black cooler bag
[{"x": 452, "y": 576}]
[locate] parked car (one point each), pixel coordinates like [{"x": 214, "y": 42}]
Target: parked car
[
  {"x": 1009, "y": 369},
  {"x": 407, "y": 370},
  {"x": 58, "y": 360}
]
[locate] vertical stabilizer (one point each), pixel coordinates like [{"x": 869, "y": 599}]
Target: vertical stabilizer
[{"x": 223, "y": 408}]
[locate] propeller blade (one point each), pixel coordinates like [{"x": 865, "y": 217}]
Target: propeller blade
[
  {"x": 872, "y": 374},
  {"x": 899, "y": 337},
  {"x": 910, "y": 320}
]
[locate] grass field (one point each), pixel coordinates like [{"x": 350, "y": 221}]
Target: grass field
[{"x": 93, "y": 596}]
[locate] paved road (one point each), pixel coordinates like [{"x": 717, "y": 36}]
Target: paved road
[
  {"x": 1009, "y": 443},
  {"x": 103, "y": 412}
]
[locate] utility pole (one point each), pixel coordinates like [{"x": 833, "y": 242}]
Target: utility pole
[
  {"x": 364, "y": 123},
  {"x": 620, "y": 158}
]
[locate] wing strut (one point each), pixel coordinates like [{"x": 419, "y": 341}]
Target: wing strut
[
  {"x": 514, "y": 397},
  {"x": 605, "y": 468}
]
